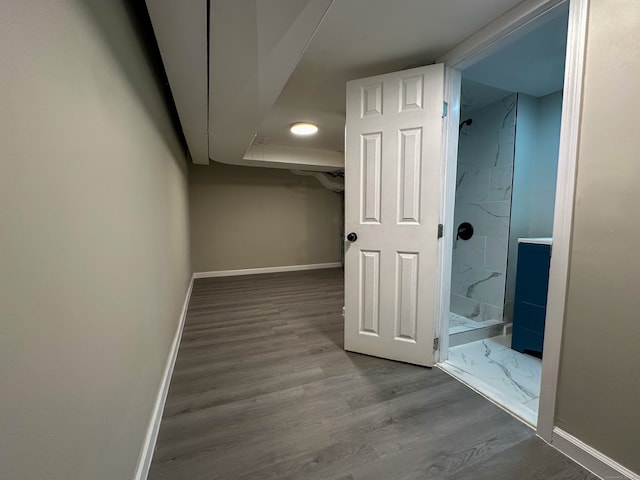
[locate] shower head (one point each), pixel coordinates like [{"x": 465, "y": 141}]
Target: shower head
[{"x": 468, "y": 121}]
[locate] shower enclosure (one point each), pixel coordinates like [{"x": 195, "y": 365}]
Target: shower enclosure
[{"x": 482, "y": 215}]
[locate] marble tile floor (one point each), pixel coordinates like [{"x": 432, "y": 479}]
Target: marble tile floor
[
  {"x": 459, "y": 324},
  {"x": 509, "y": 378}
]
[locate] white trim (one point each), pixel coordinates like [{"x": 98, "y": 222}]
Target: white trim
[
  {"x": 504, "y": 30},
  {"x": 149, "y": 445},
  {"x": 590, "y": 458},
  {"x": 257, "y": 271},
  {"x": 563, "y": 214},
  {"x": 452, "y": 79},
  {"x": 478, "y": 47}
]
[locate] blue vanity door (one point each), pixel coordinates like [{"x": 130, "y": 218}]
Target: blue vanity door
[{"x": 532, "y": 284}]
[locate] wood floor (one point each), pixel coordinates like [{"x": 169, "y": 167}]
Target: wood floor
[{"x": 262, "y": 389}]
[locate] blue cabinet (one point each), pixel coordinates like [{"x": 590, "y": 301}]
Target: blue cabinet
[{"x": 532, "y": 284}]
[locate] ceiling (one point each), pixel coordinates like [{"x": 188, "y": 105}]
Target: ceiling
[
  {"x": 274, "y": 62},
  {"x": 474, "y": 95},
  {"x": 361, "y": 38},
  {"x": 533, "y": 64}
]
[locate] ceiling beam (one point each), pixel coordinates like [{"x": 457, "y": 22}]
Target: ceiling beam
[
  {"x": 254, "y": 46},
  {"x": 298, "y": 158},
  {"x": 181, "y": 32}
]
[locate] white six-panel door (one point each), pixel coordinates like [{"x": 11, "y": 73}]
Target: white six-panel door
[{"x": 392, "y": 193}]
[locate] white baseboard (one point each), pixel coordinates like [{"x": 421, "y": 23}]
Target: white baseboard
[
  {"x": 255, "y": 271},
  {"x": 146, "y": 454},
  {"x": 590, "y": 458}
]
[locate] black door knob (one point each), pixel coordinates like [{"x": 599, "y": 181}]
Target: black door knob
[
  {"x": 465, "y": 231},
  {"x": 352, "y": 237}
]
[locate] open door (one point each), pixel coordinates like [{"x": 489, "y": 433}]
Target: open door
[{"x": 392, "y": 193}]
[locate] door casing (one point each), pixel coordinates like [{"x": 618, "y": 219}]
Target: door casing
[{"x": 503, "y": 31}]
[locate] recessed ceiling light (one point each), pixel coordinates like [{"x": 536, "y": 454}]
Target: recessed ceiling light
[{"x": 304, "y": 128}]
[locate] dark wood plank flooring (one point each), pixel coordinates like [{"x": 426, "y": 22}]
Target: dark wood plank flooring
[{"x": 262, "y": 389}]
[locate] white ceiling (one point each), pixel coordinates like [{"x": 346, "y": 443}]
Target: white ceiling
[
  {"x": 254, "y": 45},
  {"x": 274, "y": 62},
  {"x": 474, "y": 95},
  {"x": 533, "y": 64},
  {"x": 181, "y": 34},
  {"x": 361, "y": 38}
]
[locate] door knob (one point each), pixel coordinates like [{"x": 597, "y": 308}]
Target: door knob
[
  {"x": 352, "y": 237},
  {"x": 465, "y": 231}
]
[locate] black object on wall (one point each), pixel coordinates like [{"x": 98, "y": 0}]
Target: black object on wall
[
  {"x": 465, "y": 231},
  {"x": 468, "y": 121}
]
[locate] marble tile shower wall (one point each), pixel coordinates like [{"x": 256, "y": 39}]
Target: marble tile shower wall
[{"x": 483, "y": 198}]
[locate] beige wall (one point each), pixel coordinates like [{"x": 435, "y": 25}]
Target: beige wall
[
  {"x": 599, "y": 386},
  {"x": 244, "y": 217},
  {"x": 94, "y": 253}
]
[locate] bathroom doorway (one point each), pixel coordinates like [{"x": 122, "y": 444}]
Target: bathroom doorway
[{"x": 509, "y": 134}]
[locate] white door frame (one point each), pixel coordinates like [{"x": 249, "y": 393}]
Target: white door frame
[{"x": 503, "y": 31}]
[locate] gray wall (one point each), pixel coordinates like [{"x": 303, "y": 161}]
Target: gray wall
[
  {"x": 599, "y": 386},
  {"x": 248, "y": 217},
  {"x": 534, "y": 177},
  {"x": 94, "y": 251}
]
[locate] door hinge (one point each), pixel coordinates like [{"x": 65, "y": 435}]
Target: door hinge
[
  {"x": 440, "y": 230},
  {"x": 436, "y": 344},
  {"x": 445, "y": 109}
]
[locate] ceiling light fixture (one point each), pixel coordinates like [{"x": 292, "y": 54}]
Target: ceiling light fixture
[{"x": 304, "y": 128}]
